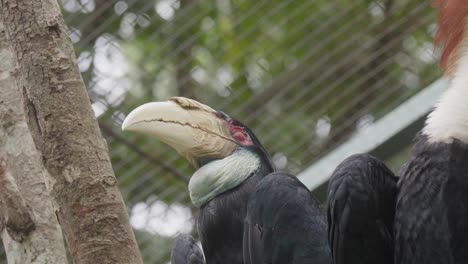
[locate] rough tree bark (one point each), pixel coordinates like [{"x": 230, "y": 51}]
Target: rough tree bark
[
  {"x": 30, "y": 231},
  {"x": 65, "y": 131}
]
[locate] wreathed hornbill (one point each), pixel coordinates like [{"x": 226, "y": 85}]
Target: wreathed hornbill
[
  {"x": 248, "y": 213},
  {"x": 422, "y": 217}
]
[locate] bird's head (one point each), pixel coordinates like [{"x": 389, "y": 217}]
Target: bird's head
[{"x": 196, "y": 131}]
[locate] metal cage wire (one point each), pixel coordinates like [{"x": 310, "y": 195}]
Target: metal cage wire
[{"x": 304, "y": 75}]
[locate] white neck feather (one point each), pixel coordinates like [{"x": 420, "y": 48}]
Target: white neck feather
[
  {"x": 449, "y": 120},
  {"x": 222, "y": 175}
]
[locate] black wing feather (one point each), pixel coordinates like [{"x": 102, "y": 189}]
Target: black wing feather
[
  {"x": 284, "y": 224},
  {"x": 186, "y": 251},
  {"x": 361, "y": 208}
]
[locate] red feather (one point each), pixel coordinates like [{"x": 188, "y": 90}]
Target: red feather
[{"x": 451, "y": 25}]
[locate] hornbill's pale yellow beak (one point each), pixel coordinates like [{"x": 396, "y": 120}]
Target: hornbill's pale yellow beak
[{"x": 193, "y": 129}]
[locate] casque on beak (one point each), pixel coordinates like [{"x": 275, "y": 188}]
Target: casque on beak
[{"x": 191, "y": 128}]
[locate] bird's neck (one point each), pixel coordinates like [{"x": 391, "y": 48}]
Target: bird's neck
[
  {"x": 222, "y": 175},
  {"x": 449, "y": 120}
]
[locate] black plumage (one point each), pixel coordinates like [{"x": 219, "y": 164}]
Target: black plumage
[
  {"x": 284, "y": 224},
  {"x": 429, "y": 203},
  {"x": 431, "y": 215},
  {"x": 361, "y": 207},
  {"x": 186, "y": 251},
  {"x": 221, "y": 221}
]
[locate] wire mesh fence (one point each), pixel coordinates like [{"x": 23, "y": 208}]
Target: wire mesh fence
[{"x": 304, "y": 75}]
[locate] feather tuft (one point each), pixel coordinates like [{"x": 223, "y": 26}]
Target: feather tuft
[{"x": 451, "y": 26}]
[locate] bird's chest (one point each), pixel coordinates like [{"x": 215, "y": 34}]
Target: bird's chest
[
  {"x": 221, "y": 228},
  {"x": 221, "y": 224}
]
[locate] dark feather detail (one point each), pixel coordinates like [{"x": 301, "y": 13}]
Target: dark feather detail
[
  {"x": 432, "y": 205},
  {"x": 361, "y": 206},
  {"x": 186, "y": 251},
  {"x": 221, "y": 221},
  {"x": 284, "y": 224}
]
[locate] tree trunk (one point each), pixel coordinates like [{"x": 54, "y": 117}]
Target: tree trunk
[
  {"x": 31, "y": 233},
  {"x": 64, "y": 129}
]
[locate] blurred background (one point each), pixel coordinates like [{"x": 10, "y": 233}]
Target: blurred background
[{"x": 305, "y": 76}]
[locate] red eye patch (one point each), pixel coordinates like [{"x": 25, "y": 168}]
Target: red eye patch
[{"x": 240, "y": 135}]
